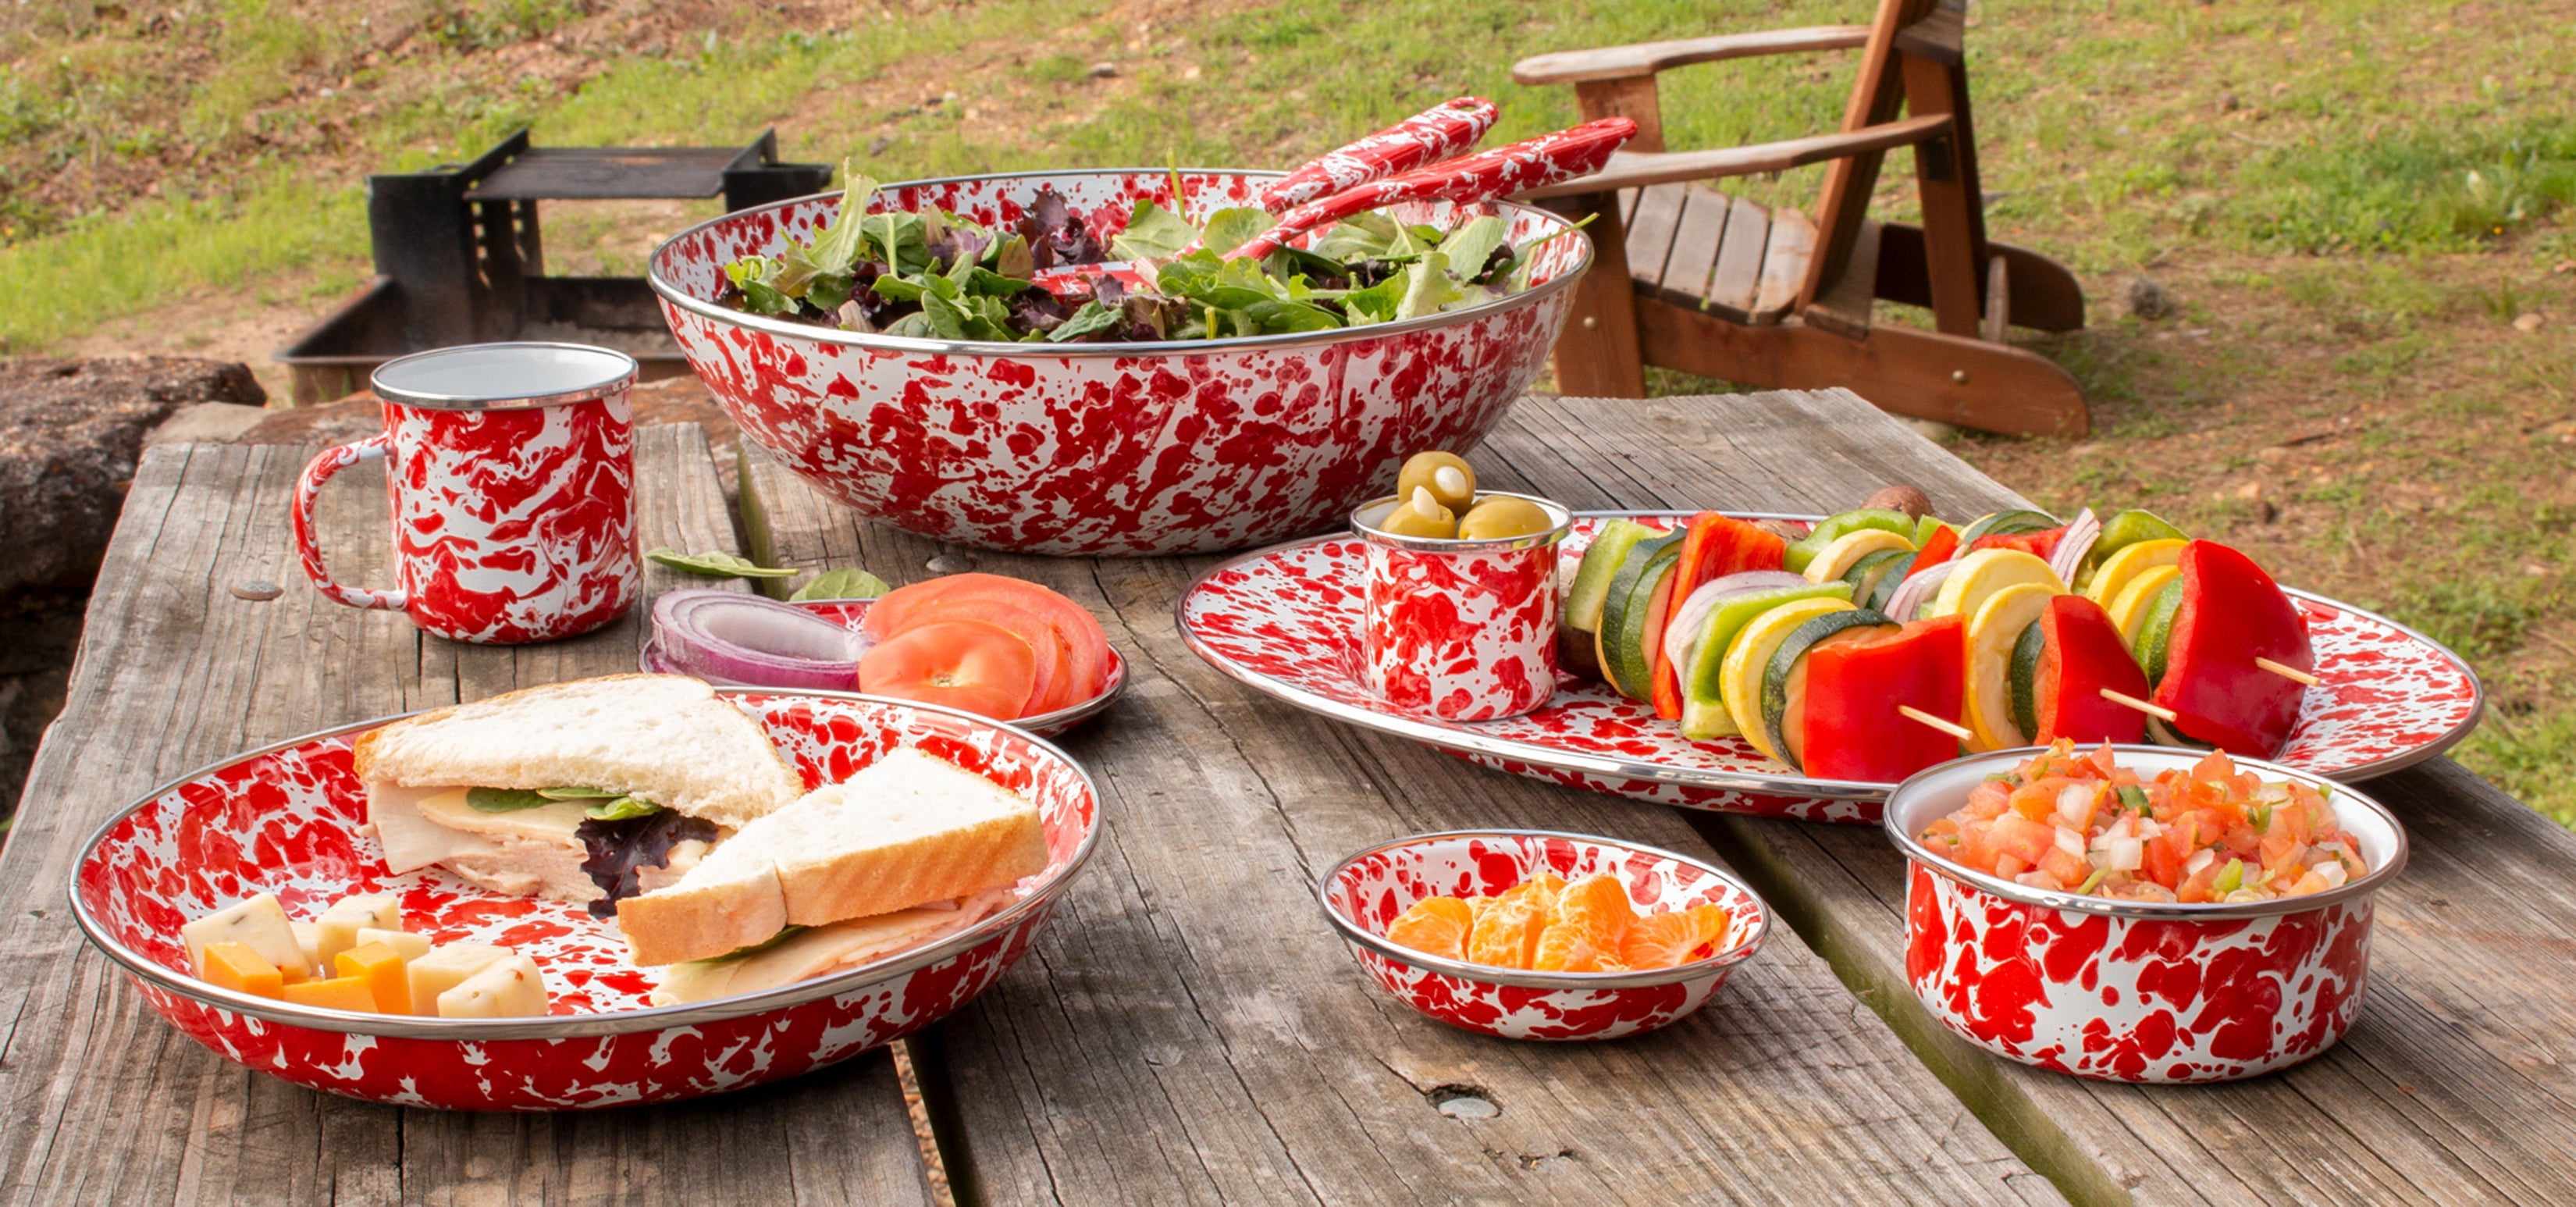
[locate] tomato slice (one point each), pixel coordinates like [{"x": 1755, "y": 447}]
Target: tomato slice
[
  {"x": 1056, "y": 687},
  {"x": 1086, "y": 648},
  {"x": 965, "y": 664}
]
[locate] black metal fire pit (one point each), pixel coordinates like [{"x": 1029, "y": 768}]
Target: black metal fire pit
[{"x": 459, "y": 259}]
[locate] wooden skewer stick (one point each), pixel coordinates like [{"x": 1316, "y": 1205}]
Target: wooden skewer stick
[
  {"x": 1952, "y": 728},
  {"x": 2291, "y": 673},
  {"x": 2124, "y": 700}
]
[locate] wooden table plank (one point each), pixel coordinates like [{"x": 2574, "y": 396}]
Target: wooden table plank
[
  {"x": 100, "y": 1101},
  {"x": 1189, "y": 1029},
  {"x": 2452, "y": 1087}
]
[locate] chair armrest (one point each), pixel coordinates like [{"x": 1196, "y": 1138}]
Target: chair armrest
[
  {"x": 1647, "y": 58},
  {"x": 1627, "y": 170}
]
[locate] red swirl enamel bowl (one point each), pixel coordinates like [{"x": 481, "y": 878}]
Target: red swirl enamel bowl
[
  {"x": 1084, "y": 449},
  {"x": 288, "y": 820},
  {"x": 2136, "y": 991},
  {"x": 1367, "y": 892}
]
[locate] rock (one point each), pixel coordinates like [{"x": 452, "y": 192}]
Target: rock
[
  {"x": 206, "y": 423},
  {"x": 70, "y": 432},
  {"x": 1930, "y": 429},
  {"x": 2145, "y": 299},
  {"x": 1103, "y": 71},
  {"x": 2529, "y": 322}
]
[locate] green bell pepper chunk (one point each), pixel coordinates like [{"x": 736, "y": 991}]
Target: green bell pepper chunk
[{"x": 1804, "y": 550}]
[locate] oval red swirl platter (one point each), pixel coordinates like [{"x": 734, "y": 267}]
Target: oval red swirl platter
[
  {"x": 1285, "y": 621},
  {"x": 287, "y": 819}
]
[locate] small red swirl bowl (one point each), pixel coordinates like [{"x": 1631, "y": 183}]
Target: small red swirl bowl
[
  {"x": 2128, "y": 990},
  {"x": 1179, "y": 446},
  {"x": 289, "y": 820},
  {"x": 1367, "y": 892}
]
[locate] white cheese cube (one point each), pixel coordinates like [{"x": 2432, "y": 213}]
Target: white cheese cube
[
  {"x": 257, "y": 922},
  {"x": 308, "y": 935},
  {"x": 506, "y": 988},
  {"x": 347, "y": 916},
  {"x": 405, "y": 944},
  {"x": 445, "y": 968}
]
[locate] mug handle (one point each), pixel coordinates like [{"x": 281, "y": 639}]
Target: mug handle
[{"x": 307, "y": 489}]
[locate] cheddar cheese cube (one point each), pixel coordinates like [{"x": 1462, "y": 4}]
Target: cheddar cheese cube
[
  {"x": 258, "y": 923},
  {"x": 337, "y": 993},
  {"x": 382, "y": 969},
  {"x": 236, "y": 967}
]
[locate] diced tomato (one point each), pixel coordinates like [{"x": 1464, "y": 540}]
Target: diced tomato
[
  {"x": 2010, "y": 866},
  {"x": 2242, "y": 841},
  {"x": 2036, "y": 801},
  {"x": 2196, "y": 887},
  {"x": 2162, "y": 865},
  {"x": 2026, "y": 840},
  {"x": 2067, "y": 868},
  {"x": 963, "y": 664}
]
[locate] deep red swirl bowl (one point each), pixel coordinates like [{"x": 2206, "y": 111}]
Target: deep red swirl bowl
[
  {"x": 1129, "y": 449},
  {"x": 1367, "y": 892},
  {"x": 2127, "y": 990},
  {"x": 288, "y": 820}
]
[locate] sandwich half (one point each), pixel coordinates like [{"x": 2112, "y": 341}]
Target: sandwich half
[
  {"x": 910, "y": 829},
  {"x": 584, "y": 791}
]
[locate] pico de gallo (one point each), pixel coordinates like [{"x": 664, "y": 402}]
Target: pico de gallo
[{"x": 2082, "y": 823}]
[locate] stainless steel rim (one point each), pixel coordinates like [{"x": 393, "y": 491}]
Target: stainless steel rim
[
  {"x": 1735, "y": 953},
  {"x": 2343, "y": 795},
  {"x": 1433, "y": 544},
  {"x": 580, "y": 1025},
  {"x": 462, "y": 402},
  {"x": 672, "y": 295},
  {"x": 1462, "y": 738}
]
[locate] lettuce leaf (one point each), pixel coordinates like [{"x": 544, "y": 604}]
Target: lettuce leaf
[{"x": 1152, "y": 233}]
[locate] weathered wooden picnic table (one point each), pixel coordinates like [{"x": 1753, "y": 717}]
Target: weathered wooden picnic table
[{"x": 1188, "y": 1029}]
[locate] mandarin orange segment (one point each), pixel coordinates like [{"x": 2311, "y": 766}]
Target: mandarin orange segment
[
  {"x": 1435, "y": 926},
  {"x": 1597, "y": 906},
  {"x": 1711, "y": 921},
  {"x": 1506, "y": 934},
  {"x": 1659, "y": 941},
  {"x": 1562, "y": 948}
]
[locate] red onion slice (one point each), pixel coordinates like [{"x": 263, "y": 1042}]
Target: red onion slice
[
  {"x": 1682, "y": 632},
  {"x": 2068, "y": 557},
  {"x": 1917, "y": 588},
  {"x": 741, "y": 639}
]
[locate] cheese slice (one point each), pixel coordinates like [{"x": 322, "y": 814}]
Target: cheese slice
[
  {"x": 258, "y": 923},
  {"x": 509, "y": 987},
  {"x": 557, "y": 822},
  {"x": 412, "y": 841},
  {"x": 445, "y": 968},
  {"x": 337, "y": 931}
]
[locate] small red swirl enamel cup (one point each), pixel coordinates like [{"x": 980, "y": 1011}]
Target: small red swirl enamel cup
[
  {"x": 1460, "y": 630},
  {"x": 1122, "y": 449},
  {"x": 1367, "y": 892},
  {"x": 512, "y": 478},
  {"x": 289, "y": 820},
  {"x": 849, "y": 612},
  {"x": 2136, "y": 991}
]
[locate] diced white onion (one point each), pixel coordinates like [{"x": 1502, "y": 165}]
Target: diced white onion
[
  {"x": 2334, "y": 873},
  {"x": 2200, "y": 859},
  {"x": 2149, "y": 827},
  {"x": 2075, "y": 804},
  {"x": 2275, "y": 790},
  {"x": 2127, "y": 854},
  {"x": 2070, "y": 842},
  {"x": 2038, "y": 879}
]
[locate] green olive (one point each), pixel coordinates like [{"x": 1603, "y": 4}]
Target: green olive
[
  {"x": 1445, "y": 475},
  {"x": 1420, "y": 516},
  {"x": 1499, "y": 517}
]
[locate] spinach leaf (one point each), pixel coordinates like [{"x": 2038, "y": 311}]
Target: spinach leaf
[
  {"x": 1152, "y": 233},
  {"x": 1276, "y": 317},
  {"x": 1469, "y": 246},
  {"x": 841, "y": 584},
  {"x": 504, "y": 800},
  {"x": 1428, "y": 288},
  {"x": 1091, "y": 319},
  {"x": 1377, "y": 303},
  {"x": 1366, "y": 236},
  {"x": 1228, "y": 229},
  {"x": 621, "y": 809},
  {"x": 716, "y": 565}
]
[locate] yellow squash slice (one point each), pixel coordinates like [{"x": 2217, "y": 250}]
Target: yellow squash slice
[
  {"x": 1835, "y": 559},
  {"x": 1986, "y": 571},
  {"x": 2129, "y": 608},
  {"x": 1997, "y": 624},
  {"x": 2117, "y": 570}
]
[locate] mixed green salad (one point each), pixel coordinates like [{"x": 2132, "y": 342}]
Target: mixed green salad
[{"x": 936, "y": 275}]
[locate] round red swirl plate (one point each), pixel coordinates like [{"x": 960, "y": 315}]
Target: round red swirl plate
[{"x": 1285, "y": 621}]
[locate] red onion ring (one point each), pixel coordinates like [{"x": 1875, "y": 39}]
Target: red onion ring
[
  {"x": 1916, "y": 588},
  {"x": 740, "y": 639},
  {"x": 2068, "y": 557},
  {"x": 1682, "y": 632}
]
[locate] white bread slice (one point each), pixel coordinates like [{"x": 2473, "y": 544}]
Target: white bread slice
[
  {"x": 666, "y": 738},
  {"x": 907, "y": 829},
  {"x": 824, "y": 950}
]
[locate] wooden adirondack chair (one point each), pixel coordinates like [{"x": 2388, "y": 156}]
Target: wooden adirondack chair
[{"x": 1691, "y": 279}]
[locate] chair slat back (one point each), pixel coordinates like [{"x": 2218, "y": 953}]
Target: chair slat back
[{"x": 1877, "y": 93}]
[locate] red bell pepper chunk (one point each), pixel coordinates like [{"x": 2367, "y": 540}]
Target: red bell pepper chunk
[
  {"x": 1853, "y": 731},
  {"x": 1940, "y": 547},
  {"x": 2081, "y": 654},
  {"x": 2231, "y": 614},
  {"x": 2037, "y": 544},
  {"x": 1716, "y": 546}
]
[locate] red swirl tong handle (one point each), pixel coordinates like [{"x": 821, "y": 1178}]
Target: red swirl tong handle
[
  {"x": 1501, "y": 172},
  {"x": 1434, "y": 134}
]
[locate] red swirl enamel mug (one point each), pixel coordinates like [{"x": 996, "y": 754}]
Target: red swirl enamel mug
[
  {"x": 512, "y": 479},
  {"x": 2136, "y": 991},
  {"x": 1460, "y": 630}
]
